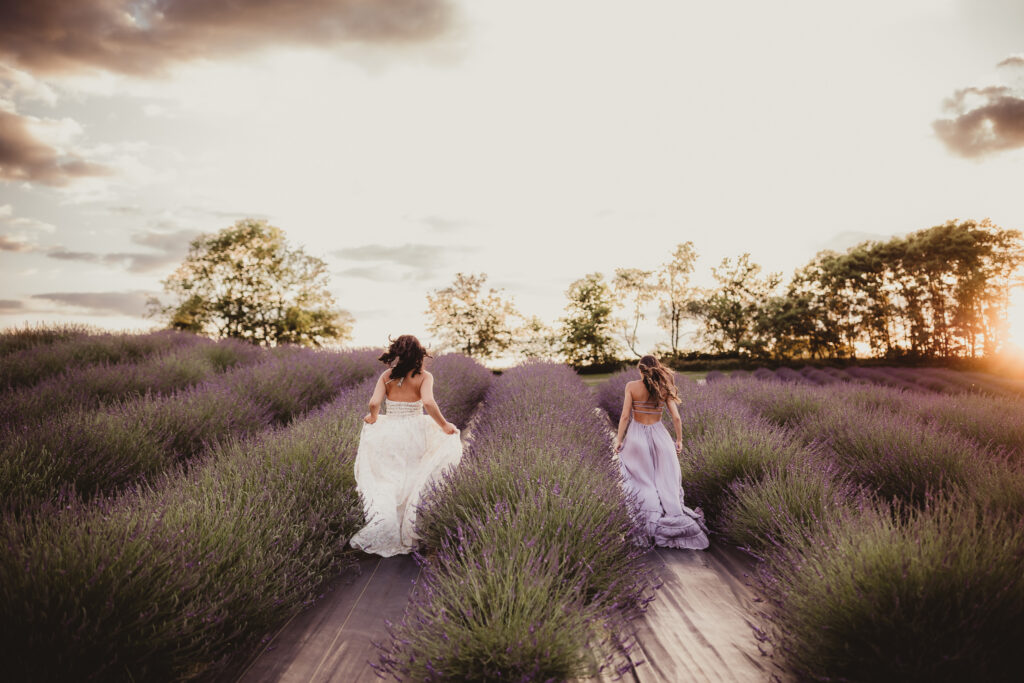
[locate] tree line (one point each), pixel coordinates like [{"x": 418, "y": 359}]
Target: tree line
[{"x": 942, "y": 292}]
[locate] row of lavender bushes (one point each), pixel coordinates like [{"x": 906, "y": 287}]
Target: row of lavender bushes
[
  {"x": 21, "y": 338},
  {"x": 888, "y": 523},
  {"x": 181, "y": 577},
  {"x": 941, "y": 380},
  {"x": 91, "y": 386},
  {"x": 534, "y": 571},
  {"x": 34, "y": 364},
  {"x": 86, "y": 452}
]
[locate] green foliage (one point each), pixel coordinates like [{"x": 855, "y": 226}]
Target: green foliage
[
  {"x": 633, "y": 289},
  {"x": 246, "y": 282},
  {"x": 940, "y": 292},
  {"x": 587, "y": 329},
  {"x": 730, "y": 312},
  {"x": 674, "y": 292},
  {"x": 468, "y": 320}
]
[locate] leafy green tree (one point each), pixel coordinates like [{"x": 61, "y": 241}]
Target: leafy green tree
[
  {"x": 588, "y": 328},
  {"x": 633, "y": 288},
  {"x": 730, "y": 311},
  {"x": 534, "y": 339},
  {"x": 246, "y": 282},
  {"x": 674, "y": 292},
  {"x": 465, "y": 318}
]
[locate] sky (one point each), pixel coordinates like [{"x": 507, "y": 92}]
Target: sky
[{"x": 404, "y": 141}]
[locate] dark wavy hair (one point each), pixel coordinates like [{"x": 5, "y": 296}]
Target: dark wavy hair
[
  {"x": 658, "y": 380},
  {"x": 410, "y": 354}
]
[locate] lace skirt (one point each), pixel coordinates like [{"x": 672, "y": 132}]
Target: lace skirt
[{"x": 399, "y": 455}]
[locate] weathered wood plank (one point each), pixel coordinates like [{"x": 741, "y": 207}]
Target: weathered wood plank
[
  {"x": 698, "y": 627},
  {"x": 333, "y": 641}
]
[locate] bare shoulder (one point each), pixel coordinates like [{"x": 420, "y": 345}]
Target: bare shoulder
[{"x": 633, "y": 385}]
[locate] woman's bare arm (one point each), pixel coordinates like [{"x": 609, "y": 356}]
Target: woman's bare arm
[
  {"x": 677, "y": 423},
  {"x": 376, "y": 399},
  {"x": 627, "y": 412},
  {"x": 430, "y": 405}
]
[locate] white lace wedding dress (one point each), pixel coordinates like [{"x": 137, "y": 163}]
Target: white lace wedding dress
[{"x": 399, "y": 454}]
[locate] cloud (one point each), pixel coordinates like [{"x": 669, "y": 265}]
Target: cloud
[
  {"x": 170, "y": 248},
  {"x": 15, "y": 243},
  {"x": 128, "y": 36},
  {"x": 10, "y": 306},
  {"x": 440, "y": 224},
  {"x": 15, "y": 84},
  {"x": 102, "y": 303},
  {"x": 1012, "y": 60},
  {"x": 374, "y": 274},
  {"x": 26, "y": 157},
  {"x": 412, "y": 255},
  {"x": 420, "y": 261},
  {"x": 986, "y": 120}
]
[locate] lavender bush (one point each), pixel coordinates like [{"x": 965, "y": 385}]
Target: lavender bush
[
  {"x": 459, "y": 385},
  {"x": 92, "y": 386},
  {"x": 31, "y": 365},
  {"x": 174, "y": 579},
  {"x": 22, "y": 338},
  {"x": 729, "y": 447},
  {"x": 536, "y": 574},
  {"x": 102, "y": 451},
  {"x": 786, "y": 502},
  {"x": 802, "y": 476},
  {"x": 935, "y": 594}
]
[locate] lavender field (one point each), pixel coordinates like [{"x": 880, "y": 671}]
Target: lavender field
[
  {"x": 169, "y": 502},
  {"x": 885, "y": 510}
]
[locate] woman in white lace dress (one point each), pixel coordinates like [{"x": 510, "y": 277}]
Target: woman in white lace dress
[{"x": 400, "y": 451}]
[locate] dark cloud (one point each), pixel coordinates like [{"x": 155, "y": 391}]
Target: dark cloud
[
  {"x": 986, "y": 120},
  {"x": 14, "y": 244},
  {"x": 144, "y": 37},
  {"x": 170, "y": 249},
  {"x": 11, "y": 306},
  {"x": 1012, "y": 60},
  {"x": 102, "y": 303},
  {"x": 24, "y": 157}
]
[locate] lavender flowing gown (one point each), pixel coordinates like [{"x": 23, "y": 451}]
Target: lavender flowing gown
[{"x": 651, "y": 471}]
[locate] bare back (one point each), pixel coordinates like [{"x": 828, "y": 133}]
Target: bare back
[
  {"x": 404, "y": 389},
  {"x": 646, "y": 409}
]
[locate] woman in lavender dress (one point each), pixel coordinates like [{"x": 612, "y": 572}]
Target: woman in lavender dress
[{"x": 649, "y": 463}]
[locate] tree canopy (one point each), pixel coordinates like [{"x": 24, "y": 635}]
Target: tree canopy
[
  {"x": 246, "y": 282},
  {"x": 587, "y": 330},
  {"x": 466, "y": 318}
]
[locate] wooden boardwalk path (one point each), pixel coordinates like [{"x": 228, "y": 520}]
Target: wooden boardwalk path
[
  {"x": 333, "y": 640},
  {"x": 695, "y": 630}
]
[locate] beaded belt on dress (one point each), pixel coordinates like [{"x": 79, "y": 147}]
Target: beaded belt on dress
[{"x": 403, "y": 408}]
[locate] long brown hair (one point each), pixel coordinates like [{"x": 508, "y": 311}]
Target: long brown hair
[
  {"x": 410, "y": 354},
  {"x": 658, "y": 380}
]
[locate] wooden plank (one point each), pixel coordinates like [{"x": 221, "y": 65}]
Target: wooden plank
[
  {"x": 699, "y": 626},
  {"x": 333, "y": 641}
]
